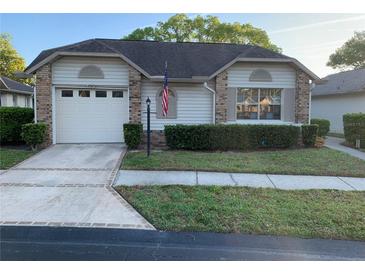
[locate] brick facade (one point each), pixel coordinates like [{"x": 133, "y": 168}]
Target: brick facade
[
  {"x": 221, "y": 97},
  {"x": 158, "y": 139},
  {"x": 302, "y": 97},
  {"x": 135, "y": 78},
  {"x": 44, "y": 100}
]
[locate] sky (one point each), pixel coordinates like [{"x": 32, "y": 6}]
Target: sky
[{"x": 310, "y": 38}]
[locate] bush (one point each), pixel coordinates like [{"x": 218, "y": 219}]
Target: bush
[
  {"x": 323, "y": 126},
  {"x": 309, "y": 134},
  {"x": 11, "y": 121},
  {"x": 230, "y": 137},
  {"x": 34, "y": 134},
  {"x": 354, "y": 128},
  {"x": 133, "y": 134}
]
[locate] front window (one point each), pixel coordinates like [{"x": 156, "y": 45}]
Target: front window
[{"x": 258, "y": 104}]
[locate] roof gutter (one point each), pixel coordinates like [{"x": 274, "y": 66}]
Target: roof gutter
[{"x": 17, "y": 91}]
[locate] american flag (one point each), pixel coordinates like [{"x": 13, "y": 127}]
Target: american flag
[{"x": 165, "y": 94}]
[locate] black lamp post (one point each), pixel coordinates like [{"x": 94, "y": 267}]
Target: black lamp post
[{"x": 148, "y": 102}]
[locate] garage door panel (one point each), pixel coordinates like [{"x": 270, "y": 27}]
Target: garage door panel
[{"x": 90, "y": 119}]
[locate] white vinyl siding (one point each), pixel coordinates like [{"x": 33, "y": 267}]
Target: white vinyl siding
[
  {"x": 333, "y": 107},
  {"x": 283, "y": 76},
  {"x": 194, "y": 104},
  {"x": 21, "y": 99},
  {"x": 66, "y": 70}
]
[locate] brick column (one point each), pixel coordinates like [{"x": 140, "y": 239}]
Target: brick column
[
  {"x": 134, "y": 95},
  {"x": 44, "y": 100},
  {"x": 221, "y": 98},
  {"x": 302, "y": 97}
]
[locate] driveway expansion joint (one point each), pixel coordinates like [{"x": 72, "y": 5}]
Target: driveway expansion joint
[{"x": 347, "y": 183}]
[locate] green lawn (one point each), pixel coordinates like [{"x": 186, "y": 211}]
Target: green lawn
[
  {"x": 10, "y": 157},
  {"x": 306, "y": 213},
  {"x": 308, "y": 161}
]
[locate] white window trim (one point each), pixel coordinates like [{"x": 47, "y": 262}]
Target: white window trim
[{"x": 260, "y": 121}]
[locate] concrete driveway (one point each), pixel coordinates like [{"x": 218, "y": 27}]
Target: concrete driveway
[{"x": 67, "y": 185}]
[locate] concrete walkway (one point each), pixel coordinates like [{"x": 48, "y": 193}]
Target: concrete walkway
[
  {"x": 289, "y": 182},
  {"x": 335, "y": 143},
  {"x": 67, "y": 185}
]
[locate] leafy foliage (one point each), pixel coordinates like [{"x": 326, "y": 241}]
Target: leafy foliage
[
  {"x": 351, "y": 54},
  {"x": 181, "y": 28},
  {"x": 10, "y": 60},
  {"x": 11, "y": 121},
  {"x": 309, "y": 134},
  {"x": 34, "y": 134},
  {"x": 323, "y": 124},
  {"x": 230, "y": 137},
  {"x": 132, "y": 134},
  {"x": 354, "y": 128}
]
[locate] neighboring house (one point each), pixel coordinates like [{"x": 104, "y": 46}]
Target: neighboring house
[
  {"x": 337, "y": 94},
  {"x": 86, "y": 91},
  {"x": 15, "y": 94}
]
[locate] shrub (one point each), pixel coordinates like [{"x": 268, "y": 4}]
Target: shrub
[
  {"x": 133, "y": 134},
  {"x": 309, "y": 134},
  {"x": 34, "y": 134},
  {"x": 323, "y": 126},
  {"x": 354, "y": 128},
  {"x": 230, "y": 137},
  {"x": 11, "y": 121}
]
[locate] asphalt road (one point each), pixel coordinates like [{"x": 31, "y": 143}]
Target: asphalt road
[{"x": 61, "y": 243}]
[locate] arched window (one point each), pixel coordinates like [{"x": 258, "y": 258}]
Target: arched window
[
  {"x": 260, "y": 75},
  {"x": 171, "y": 114},
  {"x": 91, "y": 71}
]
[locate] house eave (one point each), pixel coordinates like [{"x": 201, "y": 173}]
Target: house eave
[
  {"x": 54, "y": 56},
  {"x": 17, "y": 91},
  {"x": 312, "y": 75}
]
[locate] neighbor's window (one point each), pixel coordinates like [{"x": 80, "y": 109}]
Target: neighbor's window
[
  {"x": 258, "y": 104},
  {"x": 171, "y": 113},
  {"x": 67, "y": 93},
  {"x": 117, "y": 94},
  {"x": 84, "y": 93},
  {"x": 100, "y": 93}
]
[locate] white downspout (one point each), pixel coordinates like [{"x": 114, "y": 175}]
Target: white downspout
[
  {"x": 213, "y": 92},
  {"x": 35, "y": 103}
]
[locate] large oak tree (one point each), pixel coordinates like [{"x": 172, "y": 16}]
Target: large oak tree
[
  {"x": 181, "y": 28},
  {"x": 351, "y": 54},
  {"x": 10, "y": 60}
]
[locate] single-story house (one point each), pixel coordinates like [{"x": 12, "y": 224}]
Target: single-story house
[
  {"x": 337, "y": 94},
  {"x": 15, "y": 94},
  {"x": 86, "y": 91}
]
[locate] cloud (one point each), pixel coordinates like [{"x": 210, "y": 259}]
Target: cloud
[{"x": 323, "y": 23}]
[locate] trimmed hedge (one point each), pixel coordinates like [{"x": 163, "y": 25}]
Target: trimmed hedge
[
  {"x": 11, "y": 121},
  {"x": 34, "y": 134},
  {"x": 354, "y": 128},
  {"x": 133, "y": 134},
  {"x": 230, "y": 137},
  {"x": 323, "y": 126},
  {"x": 309, "y": 134}
]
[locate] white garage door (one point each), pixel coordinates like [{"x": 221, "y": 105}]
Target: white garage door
[{"x": 90, "y": 116}]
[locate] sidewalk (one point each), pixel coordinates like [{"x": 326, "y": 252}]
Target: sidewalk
[
  {"x": 335, "y": 143},
  {"x": 141, "y": 177}
]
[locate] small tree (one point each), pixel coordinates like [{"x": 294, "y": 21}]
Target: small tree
[{"x": 34, "y": 134}]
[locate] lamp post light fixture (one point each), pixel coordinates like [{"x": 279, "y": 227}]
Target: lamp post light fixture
[{"x": 148, "y": 102}]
